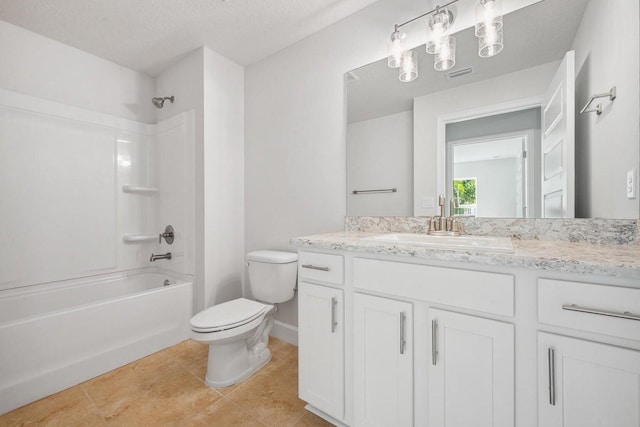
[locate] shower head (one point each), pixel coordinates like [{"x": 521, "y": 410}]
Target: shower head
[{"x": 159, "y": 102}]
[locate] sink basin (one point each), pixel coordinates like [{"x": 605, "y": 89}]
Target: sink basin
[{"x": 475, "y": 243}]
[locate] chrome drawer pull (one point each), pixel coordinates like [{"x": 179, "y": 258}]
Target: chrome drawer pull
[
  {"x": 315, "y": 267},
  {"x": 551, "y": 356},
  {"x": 434, "y": 342},
  {"x": 625, "y": 315},
  {"x": 403, "y": 341},
  {"x": 334, "y": 323}
]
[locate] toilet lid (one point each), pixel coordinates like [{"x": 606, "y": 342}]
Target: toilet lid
[{"x": 227, "y": 315}]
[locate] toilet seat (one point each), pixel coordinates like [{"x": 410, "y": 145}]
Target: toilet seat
[{"x": 228, "y": 315}]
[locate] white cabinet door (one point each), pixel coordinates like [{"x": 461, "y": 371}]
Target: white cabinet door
[
  {"x": 383, "y": 362},
  {"x": 471, "y": 371},
  {"x": 587, "y": 384},
  {"x": 321, "y": 348}
]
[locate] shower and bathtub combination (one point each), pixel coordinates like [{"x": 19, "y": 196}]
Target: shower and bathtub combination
[
  {"x": 57, "y": 335},
  {"x": 88, "y": 278}
]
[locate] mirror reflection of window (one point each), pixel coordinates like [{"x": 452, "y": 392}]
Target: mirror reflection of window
[{"x": 465, "y": 194}]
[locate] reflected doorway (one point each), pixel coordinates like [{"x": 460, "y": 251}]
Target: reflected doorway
[{"x": 489, "y": 176}]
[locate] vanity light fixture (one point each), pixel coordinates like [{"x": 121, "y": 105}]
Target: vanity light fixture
[
  {"x": 489, "y": 27},
  {"x": 437, "y": 26},
  {"x": 441, "y": 44},
  {"x": 409, "y": 66},
  {"x": 395, "y": 48},
  {"x": 445, "y": 59}
]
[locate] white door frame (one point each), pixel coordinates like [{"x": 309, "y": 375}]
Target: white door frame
[{"x": 464, "y": 115}]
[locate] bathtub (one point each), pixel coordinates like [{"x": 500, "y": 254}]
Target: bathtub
[{"x": 57, "y": 335}]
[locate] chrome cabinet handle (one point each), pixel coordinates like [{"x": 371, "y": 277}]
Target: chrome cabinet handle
[
  {"x": 625, "y": 315},
  {"x": 315, "y": 267},
  {"x": 334, "y": 322},
  {"x": 551, "y": 356},
  {"x": 434, "y": 342},
  {"x": 403, "y": 321}
]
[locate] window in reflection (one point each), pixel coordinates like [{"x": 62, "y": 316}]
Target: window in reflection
[{"x": 464, "y": 192}]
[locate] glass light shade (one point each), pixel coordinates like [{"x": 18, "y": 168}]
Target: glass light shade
[
  {"x": 446, "y": 58},
  {"x": 488, "y": 17},
  {"x": 490, "y": 44},
  {"x": 409, "y": 67},
  {"x": 437, "y": 27},
  {"x": 395, "y": 49}
]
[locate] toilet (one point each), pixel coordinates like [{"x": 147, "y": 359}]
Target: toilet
[{"x": 237, "y": 331}]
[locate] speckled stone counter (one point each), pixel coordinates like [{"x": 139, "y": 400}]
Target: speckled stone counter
[
  {"x": 595, "y": 230},
  {"x": 558, "y": 256}
]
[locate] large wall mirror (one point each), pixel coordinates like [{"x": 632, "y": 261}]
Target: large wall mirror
[{"x": 505, "y": 135}]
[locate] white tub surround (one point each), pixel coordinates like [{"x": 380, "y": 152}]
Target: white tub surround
[
  {"x": 90, "y": 186},
  {"x": 393, "y": 334},
  {"x": 94, "y": 192},
  {"x": 58, "y": 335}
]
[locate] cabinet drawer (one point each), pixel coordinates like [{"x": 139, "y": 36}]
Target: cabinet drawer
[
  {"x": 473, "y": 290},
  {"x": 322, "y": 267},
  {"x": 609, "y": 310}
]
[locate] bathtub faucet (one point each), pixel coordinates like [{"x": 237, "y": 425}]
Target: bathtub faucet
[{"x": 163, "y": 256}]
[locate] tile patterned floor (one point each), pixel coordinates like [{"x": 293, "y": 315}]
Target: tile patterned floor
[{"x": 167, "y": 389}]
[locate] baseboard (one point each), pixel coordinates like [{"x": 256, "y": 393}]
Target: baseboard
[{"x": 285, "y": 332}]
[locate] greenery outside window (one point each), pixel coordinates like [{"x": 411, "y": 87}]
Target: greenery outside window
[{"x": 465, "y": 190}]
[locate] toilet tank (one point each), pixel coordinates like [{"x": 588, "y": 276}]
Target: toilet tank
[{"x": 272, "y": 275}]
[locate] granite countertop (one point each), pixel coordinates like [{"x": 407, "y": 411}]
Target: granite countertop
[{"x": 558, "y": 256}]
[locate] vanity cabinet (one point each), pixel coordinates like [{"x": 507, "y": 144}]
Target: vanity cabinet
[
  {"x": 321, "y": 347},
  {"x": 582, "y": 382},
  {"x": 587, "y": 384},
  {"x": 383, "y": 361},
  {"x": 471, "y": 371},
  {"x": 451, "y": 344}
]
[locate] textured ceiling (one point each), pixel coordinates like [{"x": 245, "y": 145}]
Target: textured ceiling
[{"x": 148, "y": 35}]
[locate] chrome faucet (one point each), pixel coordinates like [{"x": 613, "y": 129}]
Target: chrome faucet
[
  {"x": 440, "y": 225},
  {"x": 163, "y": 256}
]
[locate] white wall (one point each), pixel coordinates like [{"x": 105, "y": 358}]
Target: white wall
[
  {"x": 380, "y": 155},
  {"x": 223, "y": 157},
  {"x": 38, "y": 66},
  {"x": 607, "y": 146},
  {"x": 213, "y": 86},
  {"x": 496, "y": 186},
  {"x": 509, "y": 87}
]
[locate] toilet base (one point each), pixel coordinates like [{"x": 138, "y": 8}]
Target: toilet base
[
  {"x": 223, "y": 375},
  {"x": 236, "y": 357}
]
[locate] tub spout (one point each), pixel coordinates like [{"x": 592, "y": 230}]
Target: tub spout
[{"x": 163, "y": 256}]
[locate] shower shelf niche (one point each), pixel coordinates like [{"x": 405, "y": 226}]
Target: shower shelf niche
[
  {"x": 127, "y": 188},
  {"x": 139, "y": 238}
]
